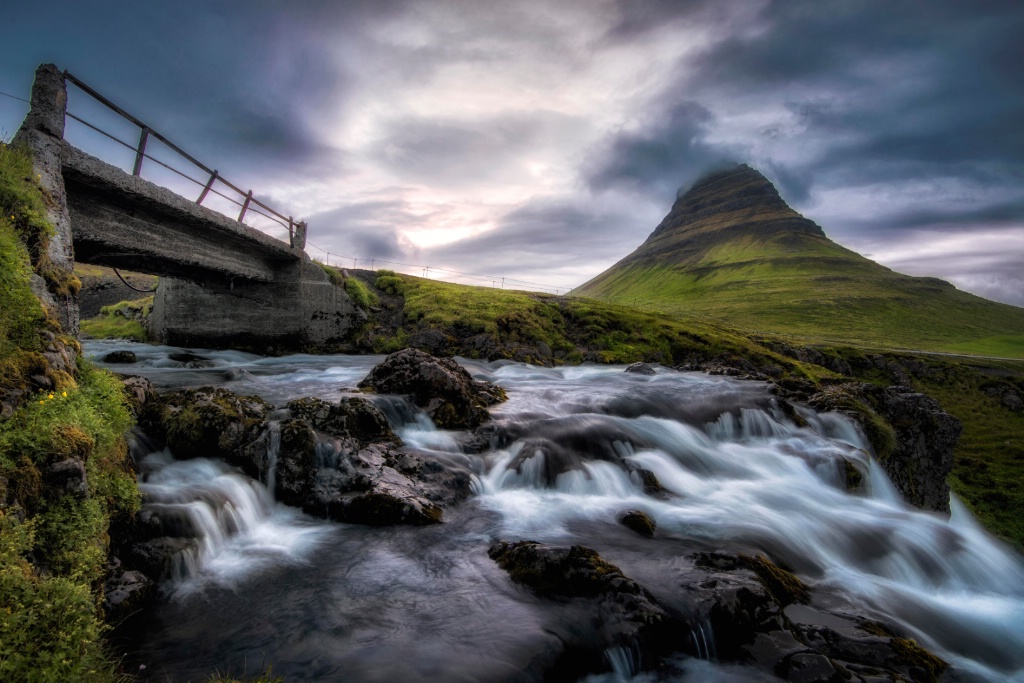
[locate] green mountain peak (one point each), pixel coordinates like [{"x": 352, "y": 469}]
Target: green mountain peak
[{"x": 732, "y": 250}]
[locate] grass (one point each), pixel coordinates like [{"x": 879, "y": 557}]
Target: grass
[
  {"x": 120, "y": 321},
  {"x": 573, "y": 329}
]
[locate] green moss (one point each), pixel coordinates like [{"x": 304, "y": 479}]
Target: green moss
[
  {"x": 49, "y": 631},
  {"x": 783, "y": 585},
  {"x": 908, "y": 653},
  {"x": 50, "y": 624}
]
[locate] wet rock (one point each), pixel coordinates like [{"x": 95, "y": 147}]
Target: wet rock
[
  {"x": 448, "y": 394},
  {"x": 124, "y": 591},
  {"x": 119, "y": 357},
  {"x": 807, "y": 667},
  {"x": 66, "y": 477},
  {"x": 138, "y": 391},
  {"x": 616, "y": 611},
  {"x": 641, "y": 369},
  {"x": 380, "y": 485},
  {"x": 648, "y": 482},
  {"x": 157, "y": 558},
  {"x": 759, "y": 615},
  {"x": 208, "y": 422},
  {"x": 638, "y": 521},
  {"x": 156, "y": 522},
  {"x": 353, "y": 418},
  {"x": 912, "y": 436},
  {"x": 295, "y": 474}
]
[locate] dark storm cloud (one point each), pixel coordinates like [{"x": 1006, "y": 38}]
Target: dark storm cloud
[
  {"x": 366, "y": 230},
  {"x": 668, "y": 153},
  {"x": 236, "y": 82}
]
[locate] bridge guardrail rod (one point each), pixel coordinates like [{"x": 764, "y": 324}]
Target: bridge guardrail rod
[{"x": 103, "y": 100}]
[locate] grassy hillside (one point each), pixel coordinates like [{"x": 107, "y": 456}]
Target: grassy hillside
[{"x": 732, "y": 251}]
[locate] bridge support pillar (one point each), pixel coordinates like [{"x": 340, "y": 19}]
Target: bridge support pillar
[
  {"x": 300, "y": 310},
  {"x": 42, "y": 134}
]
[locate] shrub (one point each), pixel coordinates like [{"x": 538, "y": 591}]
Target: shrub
[{"x": 389, "y": 282}]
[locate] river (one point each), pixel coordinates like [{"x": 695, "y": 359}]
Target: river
[{"x": 326, "y": 601}]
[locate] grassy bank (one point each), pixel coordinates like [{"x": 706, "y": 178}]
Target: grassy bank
[
  {"x": 65, "y": 480},
  {"x": 486, "y": 322}
]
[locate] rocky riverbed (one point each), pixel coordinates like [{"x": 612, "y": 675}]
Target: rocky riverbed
[{"x": 359, "y": 518}]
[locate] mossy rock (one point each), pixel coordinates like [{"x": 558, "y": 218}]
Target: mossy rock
[
  {"x": 638, "y": 521},
  {"x": 208, "y": 422},
  {"x": 352, "y": 417},
  {"x": 577, "y": 571}
]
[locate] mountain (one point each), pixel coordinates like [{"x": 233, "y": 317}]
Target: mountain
[{"x": 731, "y": 249}]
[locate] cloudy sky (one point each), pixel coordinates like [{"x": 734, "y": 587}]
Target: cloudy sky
[{"x": 543, "y": 141}]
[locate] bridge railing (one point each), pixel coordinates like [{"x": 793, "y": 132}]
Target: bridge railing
[{"x": 213, "y": 183}]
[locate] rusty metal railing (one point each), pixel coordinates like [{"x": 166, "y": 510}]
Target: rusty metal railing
[{"x": 248, "y": 203}]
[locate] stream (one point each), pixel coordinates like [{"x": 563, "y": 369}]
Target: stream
[{"x": 327, "y": 601}]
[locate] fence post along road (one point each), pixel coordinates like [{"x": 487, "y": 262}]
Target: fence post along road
[{"x": 222, "y": 282}]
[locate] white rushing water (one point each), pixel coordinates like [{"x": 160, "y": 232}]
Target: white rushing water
[{"x": 563, "y": 466}]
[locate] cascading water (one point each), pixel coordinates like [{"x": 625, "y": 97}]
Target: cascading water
[{"x": 567, "y": 456}]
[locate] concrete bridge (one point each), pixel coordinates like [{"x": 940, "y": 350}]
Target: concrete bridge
[{"x": 222, "y": 282}]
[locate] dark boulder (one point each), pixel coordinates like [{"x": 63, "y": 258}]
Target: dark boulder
[
  {"x": 763, "y": 616},
  {"x": 119, "y": 357},
  {"x": 380, "y": 486},
  {"x": 124, "y": 591},
  {"x": 641, "y": 369},
  {"x": 354, "y": 418},
  {"x": 614, "y": 610},
  {"x": 296, "y": 467},
  {"x": 448, "y": 394},
  {"x": 158, "y": 558}
]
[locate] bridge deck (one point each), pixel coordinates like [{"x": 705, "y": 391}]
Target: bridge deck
[{"x": 124, "y": 221}]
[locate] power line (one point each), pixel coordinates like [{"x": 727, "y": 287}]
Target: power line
[{"x": 14, "y": 97}]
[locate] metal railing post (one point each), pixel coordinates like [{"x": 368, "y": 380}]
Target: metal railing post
[
  {"x": 245, "y": 206},
  {"x": 209, "y": 184},
  {"x": 141, "y": 153}
]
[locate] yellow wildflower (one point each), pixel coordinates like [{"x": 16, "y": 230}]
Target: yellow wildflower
[
  {"x": 64, "y": 394},
  {"x": 50, "y": 397},
  {"x": 42, "y": 402}
]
